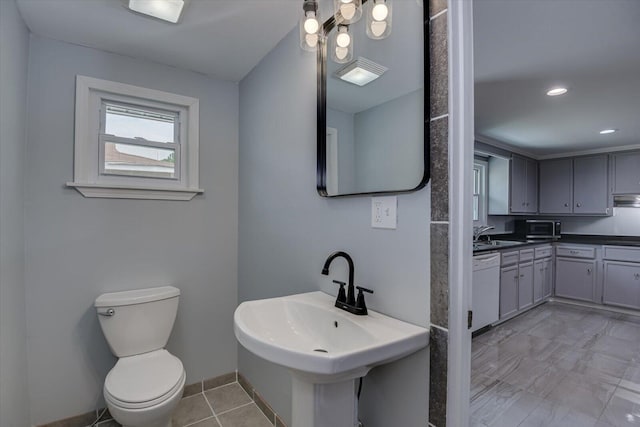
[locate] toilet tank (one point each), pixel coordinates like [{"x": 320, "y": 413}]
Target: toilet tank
[{"x": 137, "y": 321}]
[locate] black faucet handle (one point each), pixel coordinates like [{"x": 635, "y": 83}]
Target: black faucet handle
[
  {"x": 360, "y": 304},
  {"x": 342, "y": 297}
]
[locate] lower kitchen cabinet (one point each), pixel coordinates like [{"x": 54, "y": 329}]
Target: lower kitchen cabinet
[
  {"x": 622, "y": 284},
  {"x": 576, "y": 278},
  {"x": 525, "y": 285},
  {"x": 542, "y": 279},
  {"x": 508, "y": 291}
]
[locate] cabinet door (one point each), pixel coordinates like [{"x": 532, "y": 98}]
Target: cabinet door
[
  {"x": 532, "y": 186},
  {"x": 622, "y": 284},
  {"x": 525, "y": 286},
  {"x": 575, "y": 278},
  {"x": 590, "y": 183},
  {"x": 556, "y": 186},
  {"x": 626, "y": 173},
  {"x": 547, "y": 286},
  {"x": 538, "y": 280},
  {"x": 518, "y": 184},
  {"x": 508, "y": 291}
]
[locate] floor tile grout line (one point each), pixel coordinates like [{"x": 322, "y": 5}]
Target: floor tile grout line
[
  {"x": 199, "y": 421},
  {"x": 237, "y": 407},
  {"x": 223, "y": 385},
  {"x": 211, "y": 407}
]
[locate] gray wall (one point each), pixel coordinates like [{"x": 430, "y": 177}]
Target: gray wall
[
  {"x": 78, "y": 248},
  {"x": 14, "y": 54},
  {"x": 386, "y": 137},
  {"x": 286, "y": 232}
]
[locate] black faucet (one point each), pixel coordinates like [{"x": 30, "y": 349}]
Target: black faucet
[{"x": 347, "y": 302}]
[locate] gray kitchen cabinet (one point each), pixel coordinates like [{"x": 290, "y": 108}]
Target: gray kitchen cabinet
[
  {"x": 621, "y": 276},
  {"x": 547, "y": 285},
  {"x": 556, "y": 186},
  {"x": 590, "y": 184},
  {"x": 622, "y": 284},
  {"x": 525, "y": 285},
  {"x": 542, "y": 279},
  {"x": 626, "y": 173},
  {"x": 524, "y": 185},
  {"x": 576, "y": 278},
  {"x": 575, "y": 185},
  {"x": 508, "y": 291}
]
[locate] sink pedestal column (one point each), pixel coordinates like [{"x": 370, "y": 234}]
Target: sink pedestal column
[{"x": 323, "y": 405}]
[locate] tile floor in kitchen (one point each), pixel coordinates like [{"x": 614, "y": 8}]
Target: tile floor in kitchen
[
  {"x": 558, "y": 365},
  {"x": 225, "y": 406}
]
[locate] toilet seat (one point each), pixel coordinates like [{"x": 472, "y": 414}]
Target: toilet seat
[{"x": 144, "y": 380}]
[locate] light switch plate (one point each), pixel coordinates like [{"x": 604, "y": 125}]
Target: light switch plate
[{"x": 384, "y": 212}]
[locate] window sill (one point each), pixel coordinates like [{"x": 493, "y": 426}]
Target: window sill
[{"x": 114, "y": 191}]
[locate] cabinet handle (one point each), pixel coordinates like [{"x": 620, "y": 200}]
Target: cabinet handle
[
  {"x": 574, "y": 252},
  {"x": 522, "y": 275},
  {"x": 524, "y": 204},
  {"x": 579, "y": 205},
  {"x": 637, "y": 276},
  {"x": 588, "y": 271},
  {"x": 566, "y": 205}
]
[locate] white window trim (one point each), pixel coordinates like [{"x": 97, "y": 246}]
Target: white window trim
[
  {"x": 484, "y": 196},
  {"x": 87, "y": 179}
]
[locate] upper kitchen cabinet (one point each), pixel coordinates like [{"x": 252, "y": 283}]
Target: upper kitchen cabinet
[
  {"x": 626, "y": 173},
  {"x": 513, "y": 186},
  {"x": 524, "y": 185},
  {"x": 556, "y": 186},
  {"x": 574, "y": 186}
]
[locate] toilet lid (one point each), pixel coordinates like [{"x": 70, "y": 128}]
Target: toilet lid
[{"x": 144, "y": 377}]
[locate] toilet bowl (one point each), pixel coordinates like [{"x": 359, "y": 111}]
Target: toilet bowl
[
  {"x": 146, "y": 384},
  {"x": 144, "y": 390}
]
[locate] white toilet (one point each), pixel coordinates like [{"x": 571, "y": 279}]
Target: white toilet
[{"x": 146, "y": 384}]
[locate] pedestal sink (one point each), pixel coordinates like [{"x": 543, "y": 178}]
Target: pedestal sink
[{"x": 325, "y": 349}]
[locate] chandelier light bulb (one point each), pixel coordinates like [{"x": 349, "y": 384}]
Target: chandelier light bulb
[
  {"x": 312, "y": 40},
  {"x": 348, "y": 10},
  {"x": 378, "y": 28},
  {"x": 380, "y": 11},
  {"x": 341, "y": 52},
  {"x": 311, "y": 24},
  {"x": 343, "y": 39}
]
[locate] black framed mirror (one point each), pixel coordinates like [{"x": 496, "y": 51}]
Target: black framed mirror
[{"x": 374, "y": 138}]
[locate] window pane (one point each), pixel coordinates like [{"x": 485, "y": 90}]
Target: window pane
[
  {"x": 476, "y": 208},
  {"x": 134, "y": 122},
  {"x": 135, "y": 160}
]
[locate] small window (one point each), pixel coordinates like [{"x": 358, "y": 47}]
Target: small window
[
  {"x": 134, "y": 142},
  {"x": 479, "y": 192}
]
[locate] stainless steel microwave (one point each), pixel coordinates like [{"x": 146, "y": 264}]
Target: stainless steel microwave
[{"x": 538, "y": 228}]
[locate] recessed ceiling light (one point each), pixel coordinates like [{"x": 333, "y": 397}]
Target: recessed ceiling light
[
  {"x": 557, "y": 91},
  {"x": 607, "y": 131},
  {"x": 360, "y": 71},
  {"x": 167, "y": 10}
]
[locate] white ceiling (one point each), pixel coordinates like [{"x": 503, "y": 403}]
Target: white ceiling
[
  {"x": 522, "y": 48},
  {"x": 225, "y": 39}
]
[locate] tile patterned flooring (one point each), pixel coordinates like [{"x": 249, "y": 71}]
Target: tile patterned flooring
[
  {"x": 558, "y": 365},
  {"x": 225, "y": 406}
]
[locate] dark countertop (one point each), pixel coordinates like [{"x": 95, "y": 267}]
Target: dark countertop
[{"x": 588, "y": 239}]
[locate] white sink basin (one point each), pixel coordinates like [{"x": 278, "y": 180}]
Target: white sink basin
[{"x": 319, "y": 342}]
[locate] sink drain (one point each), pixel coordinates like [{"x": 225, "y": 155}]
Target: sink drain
[{"x": 320, "y": 350}]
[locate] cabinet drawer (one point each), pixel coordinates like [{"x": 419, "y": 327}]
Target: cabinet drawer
[
  {"x": 509, "y": 258},
  {"x": 526, "y": 255},
  {"x": 576, "y": 252},
  {"x": 543, "y": 252},
  {"x": 621, "y": 253}
]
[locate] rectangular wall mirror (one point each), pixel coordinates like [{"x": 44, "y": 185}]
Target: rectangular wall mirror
[{"x": 373, "y": 138}]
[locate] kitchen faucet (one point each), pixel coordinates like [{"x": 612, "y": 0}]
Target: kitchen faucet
[
  {"x": 479, "y": 230},
  {"x": 347, "y": 302}
]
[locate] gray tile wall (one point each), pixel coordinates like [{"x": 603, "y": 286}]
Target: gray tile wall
[{"x": 439, "y": 109}]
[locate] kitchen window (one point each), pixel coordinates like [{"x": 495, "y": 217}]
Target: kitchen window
[
  {"x": 480, "y": 192},
  {"x": 134, "y": 142}
]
